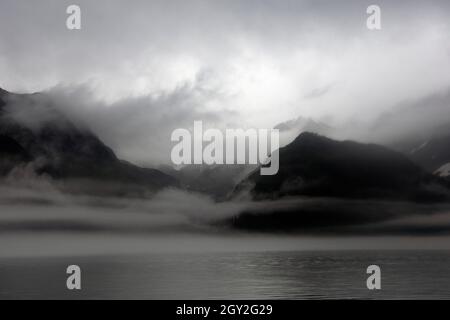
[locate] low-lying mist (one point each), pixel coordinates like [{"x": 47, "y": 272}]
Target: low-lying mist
[
  {"x": 38, "y": 219},
  {"x": 47, "y": 209},
  {"x": 39, "y": 205}
]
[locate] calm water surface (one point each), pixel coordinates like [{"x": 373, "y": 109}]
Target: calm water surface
[{"x": 258, "y": 275}]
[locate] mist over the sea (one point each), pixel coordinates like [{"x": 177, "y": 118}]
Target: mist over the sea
[{"x": 41, "y": 221}]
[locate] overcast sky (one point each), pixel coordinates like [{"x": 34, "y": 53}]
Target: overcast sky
[{"x": 246, "y": 62}]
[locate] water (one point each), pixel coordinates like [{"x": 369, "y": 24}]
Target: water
[
  {"x": 337, "y": 274},
  {"x": 162, "y": 249}
]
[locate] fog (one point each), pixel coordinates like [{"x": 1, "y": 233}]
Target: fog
[
  {"x": 39, "y": 220},
  {"x": 134, "y": 73},
  {"x": 45, "y": 208}
]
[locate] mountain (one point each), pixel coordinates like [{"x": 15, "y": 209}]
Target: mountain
[
  {"x": 217, "y": 181},
  {"x": 35, "y": 136},
  {"x": 432, "y": 154},
  {"x": 430, "y": 151},
  {"x": 11, "y": 154},
  {"x": 419, "y": 128},
  {"x": 313, "y": 165},
  {"x": 290, "y": 129}
]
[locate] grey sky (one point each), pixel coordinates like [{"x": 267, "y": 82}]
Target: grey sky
[{"x": 252, "y": 63}]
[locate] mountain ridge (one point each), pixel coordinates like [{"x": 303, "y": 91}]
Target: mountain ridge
[
  {"x": 314, "y": 165},
  {"x": 63, "y": 151}
]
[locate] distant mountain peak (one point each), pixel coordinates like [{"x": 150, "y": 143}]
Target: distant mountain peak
[
  {"x": 310, "y": 136},
  {"x": 302, "y": 124}
]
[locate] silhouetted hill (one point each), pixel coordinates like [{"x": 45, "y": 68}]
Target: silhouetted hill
[
  {"x": 11, "y": 154},
  {"x": 39, "y": 135},
  {"x": 314, "y": 165}
]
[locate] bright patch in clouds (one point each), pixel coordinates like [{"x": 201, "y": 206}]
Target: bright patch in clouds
[{"x": 264, "y": 62}]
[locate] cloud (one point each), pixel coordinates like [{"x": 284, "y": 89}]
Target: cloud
[
  {"x": 137, "y": 128},
  {"x": 415, "y": 119},
  {"x": 264, "y": 58}
]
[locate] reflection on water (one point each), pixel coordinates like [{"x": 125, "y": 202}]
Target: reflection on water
[{"x": 227, "y": 275}]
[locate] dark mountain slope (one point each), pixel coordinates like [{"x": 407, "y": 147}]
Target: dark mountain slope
[
  {"x": 11, "y": 154},
  {"x": 314, "y": 165},
  {"x": 63, "y": 151}
]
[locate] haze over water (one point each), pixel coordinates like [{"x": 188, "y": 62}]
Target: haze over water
[{"x": 160, "y": 250}]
